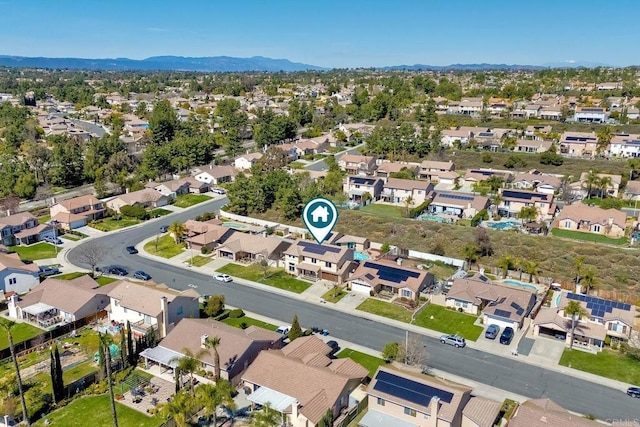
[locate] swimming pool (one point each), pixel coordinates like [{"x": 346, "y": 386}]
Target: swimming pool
[
  {"x": 234, "y": 225},
  {"x": 520, "y": 284},
  {"x": 360, "y": 256},
  {"x": 501, "y": 225},
  {"x": 433, "y": 218}
]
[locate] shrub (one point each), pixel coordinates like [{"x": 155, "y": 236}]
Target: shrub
[
  {"x": 483, "y": 215},
  {"x": 486, "y": 158},
  {"x": 414, "y": 212},
  {"x": 205, "y": 250},
  {"x": 236, "y": 313},
  {"x": 134, "y": 211},
  {"x": 244, "y": 325}
]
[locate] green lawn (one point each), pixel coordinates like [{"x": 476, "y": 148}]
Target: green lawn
[
  {"x": 249, "y": 322},
  {"x": 110, "y": 224},
  {"x": 102, "y": 280},
  {"x": 199, "y": 260},
  {"x": 96, "y": 411},
  {"x": 386, "y": 309},
  {"x": 40, "y": 250},
  {"x": 607, "y": 363},
  {"x": 44, "y": 219},
  {"x": 589, "y": 237},
  {"x": 70, "y": 237},
  {"x": 158, "y": 212},
  {"x": 277, "y": 277},
  {"x": 21, "y": 332},
  {"x": 69, "y": 375},
  {"x": 386, "y": 211},
  {"x": 166, "y": 247},
  {"x": 334, "y": 295},
  {"x": 370, "y": 362},
  {"x": 448, "y": 322},
  {"x": 188, "y": 200}
]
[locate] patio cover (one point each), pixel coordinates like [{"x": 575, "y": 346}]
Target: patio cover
[
  {"x": 37, "y": 308},
  {"x": 375, "y": 418},
  {"x": 278, "y": 401},
  {"x": 162, "y": 355},
  {"x": 308, "y": 267}
]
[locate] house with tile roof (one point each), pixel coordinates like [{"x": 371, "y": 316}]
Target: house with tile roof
[
  {"x": 237, "y": 350},
  {"x": 302, "y": 389},
  {"x": 243, "y": 247},
  {"x": 532, "y": 146},
  {"x": 149, "y": 306},
  {"x": 578, "y": 144},
  {"x": 431, "y": 169},
  {"x": 17, "y": 276},
  {"x": 592, "y": 219},
  {"x": 319, "y": 261},
  {"x": 546, "y": 413},
  {"x": 216, "y": 175},
  {"x": 355, "y": 187},
  {"x": 604, "y": 318},
  {"x": 23, "y": 228},
  {"x": 497, "y": 304},
  {"x": 246, "y": 161},
  {"x": 77, "y": 212},
  {"x": 355, "y": 164},
  {"x": 398, "y": 398},
  {"x": 385, "y": 169},
  {"x": 612, "y": 189},
  {"x": 388, "y": 276},
  {"x": 208, "y": 235},
  {"x": 481, "y": 412},
  {"x": 357, "y": 243},
  {"x": 147, "y": 198},
  {"x": 632, "y": 191},
  {"x": 461, "y": 205},
  {"x": 513, "y": 200},
  {"x": 536, "y": 181},
  {"x": 397, "y": 191}
]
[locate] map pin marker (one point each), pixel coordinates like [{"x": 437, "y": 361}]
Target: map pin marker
[{"x": 320, "y": 216}]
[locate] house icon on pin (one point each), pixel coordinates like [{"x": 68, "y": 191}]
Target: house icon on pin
[{"x": 320, "y": 214}]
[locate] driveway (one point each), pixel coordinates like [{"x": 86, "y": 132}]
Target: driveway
[{"x": 547, "y": 350}]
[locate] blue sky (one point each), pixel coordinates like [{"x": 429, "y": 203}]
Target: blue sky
[{"x": 330, "y": 33}]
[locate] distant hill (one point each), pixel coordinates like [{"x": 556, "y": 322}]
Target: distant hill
[
  {"x": 463, "y": 67},
  {"x": 160, "y": 63}
]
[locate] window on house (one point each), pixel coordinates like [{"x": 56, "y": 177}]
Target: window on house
[
  {"x": 116, "y": 303},
  {"x": 179, "y": 312},
  {"x": 313, "y": 260},
  {"x": 380, "y": 401},
  {"x": 327, "y": 264},
  {"x": 596, "y": 228},
  {"x": 13, "y": 281},
  {"x": 124, "y": 310},
  {"x": 147, "y": 319},
  {"x": 406, "y": 293},
  {"x": 567, "y": 224},
  {"x": 409, "y": 411}
]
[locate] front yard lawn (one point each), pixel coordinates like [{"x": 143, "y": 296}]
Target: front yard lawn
[
  {"x": 438, "y": 318},
  {"x": 386, "y": 309},
  {"x": 589, "y": 237},
  {"x": 607, "y": 363},
  {"x": 96, "y": 411},
  {"x": 249, "y": 322},
  {"x": 199, "y": 260},
  {"x": 276, "y": 277},
  {"x": 166, "y": 247},
  {"x": 334, "y": 295},
  {"x": 40, "y": 250},
  {"x": 370, "y": 362},
  {"x": 105, "y": 280},
  {"x": 158, "y": 212},
  {"x": 110, "y": 224},
  {"x": 386, "y": 211},
  {"x": 21, "y": 332},
  {"x": 102, "y": 280},
  {"x": 188, "y": 200}
]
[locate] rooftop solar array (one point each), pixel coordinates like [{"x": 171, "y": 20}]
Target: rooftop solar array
[
  {"x": 315, "y": 248},
  {"x": 592, "y": 110},
  {"x": 503, "y": 313},
  {"x": 392, "y": 274},
  {"x": 516, "y": 306},
  {"x": 362, "y": 180},
  {"x": 481, "y": 172},
  {"x": 580, "y": 138},
  {"x": 455, "y": 196},
  {"x": 599, "y": 306},
  {"x": 523, "y": 195},
  {"x": 409, "y": 390}
]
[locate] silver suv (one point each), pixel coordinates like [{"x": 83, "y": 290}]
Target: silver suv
[{"x": 453, "y": 340}]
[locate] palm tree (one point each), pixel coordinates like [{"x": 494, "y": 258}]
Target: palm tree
[
  {"x": 268, "y": 417},
  {"x": 8, "y": 326},
  {"x": 189, "y": 363},
  {"x": 505, "y": 263},
  {"x": 532, "y": 268},
  {"x": 528, "y": 213},
  {"x": 105, "y": 341},
  {"x": 213, "y": 343},
  {"x": 519, "y": 263},
  {"x": 178, "y": 230},
  {"x": 180, "y": 408},
  {"x": 212, "y": 396},
  {"x": 604, "y": 183},
  {"x": 576, "y": 312},
  {"x": 604, "y": 136},
  {"x": 591, "y": 181},
  {"x": 470, "y": 253},
  {"x": 578, "y": 264},
  {"x": 408, "y": 202},
  {"x": 633, "y": 164},
  {"x": 589, "y": 279}
]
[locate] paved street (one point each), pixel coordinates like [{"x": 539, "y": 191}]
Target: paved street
[
  {"x": 507, "y": 373},
  {"x": 321, "y": 165}
]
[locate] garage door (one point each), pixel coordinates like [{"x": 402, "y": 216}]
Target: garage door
[
  {"x": 503, "y": 324},
  {"x": 364, "y": 289}
]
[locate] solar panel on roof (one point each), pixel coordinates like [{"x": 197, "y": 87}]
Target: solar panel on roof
[
  {"x": 409, "y": 390},
  {"x": 316, "y": 248},
  {"x": 503, "y": 313},
  {"x": 589, "y": 305},
  {"x": 483, "y": 278},
  {"x": 627, "y": 307},
  {"x": 455, "y": 196},
  {"x": 392, "y": 274},
  {"x": 608, "y": 309}
]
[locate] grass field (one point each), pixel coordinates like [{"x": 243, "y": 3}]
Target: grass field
[
  {"x": 607, "y": 363},
  {"x": 188, "y": 200},
  {"x": 40, "y": 250},
  {"x": 386, "y": 211},
  {"x": 199, "y": 260},
  {"x": 110, "y": 224},
  {"x": 370, "y": 362},
  {"x": 96, "y": 411},
  {"x": 448, "y": 322},
  {"x": 249, "y": 321},
  {"x": 102, "y": 280},
  {"x": 166, "y": 247},
  {"x": 277, "y": 277},
  {"x": 588, "y": 237},
  {"x": 334, "y": 295},
  {"x": 21, "y": 332},
  {"x": 159, "y": 212},
  {"x": 386, "y": 309}
]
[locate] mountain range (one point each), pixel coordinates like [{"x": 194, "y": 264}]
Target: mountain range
[{"x": 230, "y": 64}]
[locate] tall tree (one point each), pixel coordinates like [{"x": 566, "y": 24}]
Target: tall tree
[
  {"x": 106, "y": 341},
  {"x": 296, "y": 330},
  {"x": 604, "y": 136},
  {"x": 212, "y": 343},
  {"x": 180, "y": 408},
  {"x": 267, "y": 417},
  {"x": 327, "y": 419},
  {"x": 163, "y": 122},
  {"x": 189, "y": 363},
  {"x": 178, "y": 230},
  {"x": 470, "y": 252},
  {"x": 212, "y": 396},
  {"x": 8, "y": 327},
  {"x": 131, "y": 353},
  {"x": 58, "y": 385},
  {"x": 576, "y": 312}
]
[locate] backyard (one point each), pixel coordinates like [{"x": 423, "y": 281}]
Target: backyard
[
  {"x": 40, "y": 250},
  {"x": 386, "y": 211},
  {"x": 188, "y": 200},
  {"x": 589, "y": 237},
  {"x": 386, "y": 309},
  {"x": 21, "y": 332},
  {"x": 438, "y": 318},
  {"x": 370, "y": 362},
  {"x": 164, "y": 246},
  {"x": 607, "y": 363},
  {"x": 276, "y": 277}
]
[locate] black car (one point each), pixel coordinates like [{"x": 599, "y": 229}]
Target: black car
[
  {"x": 141, "y": 275},
  {"x": 131, "y": 249},
  {"x": 507, "y": 336},
  {"x": 334, "y": 346},
  {"x": 114, "y": 269},
  {"x": 633, "y": 391}
]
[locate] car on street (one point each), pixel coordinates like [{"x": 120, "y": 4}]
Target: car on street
[
  {"x": 492, "y": 332},
  {"x": 633, "y": 392},
  {"x": 454, "y": 340},
  {"x": 507, "y": 335},
  {"x": 47, "y": 270},
  {"x": 131, "y": 249},
  {"x": 54, "y": 240},
  {"x": 164, "y": 228},
  {"x": 117, "y": 270},
  {"x": 217, "y": 190},
  {"x": 141, "y": 275},
  {"x": 223, "y": 278}
]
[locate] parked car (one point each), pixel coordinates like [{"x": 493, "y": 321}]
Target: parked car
[
  {"x": 141, "y": 275},
  {"x": 334, "y": 346},
  {"x": 507, "y": 335},
  {"x": 54, "y": 240},
  {"x": 453, "y": 340},
  {"x": 223, "y": 278},
  {"x": 284, "y": 330},
  {"x": 492, "y": 332},
  {"x": 164, "y": 228},
  {"x": 46, "y": 270},
  {"x": 117, "y": 270},
  {"x": 217, "y": 190},
  {"x": 131, "y": 249},
  {"x": 633, "y": 391}
]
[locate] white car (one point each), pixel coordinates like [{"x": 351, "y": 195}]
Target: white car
[{"x": 223, "y": 278}]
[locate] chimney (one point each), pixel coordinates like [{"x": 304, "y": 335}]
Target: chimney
[
  {"x": 434, "y": 406},
  {"x": 203, "y": 340},
  {"x": 164, "y": 306},
  {"x": 13, "y": 306}
]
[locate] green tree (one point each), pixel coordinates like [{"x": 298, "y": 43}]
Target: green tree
[
  {"x": 58, "y": 386},
  {"x": 67, "y": 162},
  {"x": 532, "y": 268},
  {"x": 592, "y": 180},
  {"x": 470, "y": 252},
  {"x": 390, "y": 351},
  {"x": 575, "y": 311},
  {"x": 528, "y": 213},
  {"x": 178, "y": 230},
  {"x": 604, "y": 136},
  {"x": 212, "y": 396},
  {"x": 506, "y": 263},
  {"x": 296, "y": 330},
  {"x": 189, "y": 363},
  {"x": 214, "y": 305},
  {"x": 578, "y": 268},
  {"x": 385, "y": 248},
  {"x": 327, "y": 419},
  {"x": 212, "y": 343},
  {"x": 8, "y": 327},
  {"x": 105, "y": 341},
  {"x": 603, "y": 184},
  {"x": 589, "y": 280},
  {"x": 131, "y": 351},
  {"x": 180, "y": 408},
  {"x": 268, "y": 417},
  {"x": 163, "y": 122}
]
